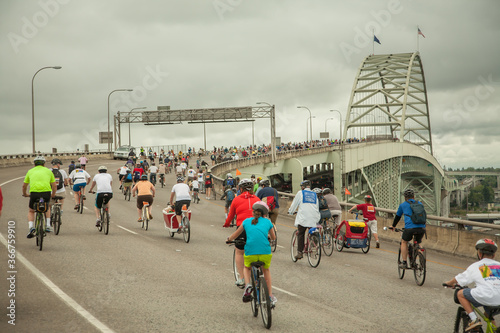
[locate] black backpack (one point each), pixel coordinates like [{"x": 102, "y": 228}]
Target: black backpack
[
  {"x": 59, "y": 178},
  {"x": 418, "y": 216}
]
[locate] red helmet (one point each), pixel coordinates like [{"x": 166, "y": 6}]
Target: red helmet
[{"x": 487, "y": 246}]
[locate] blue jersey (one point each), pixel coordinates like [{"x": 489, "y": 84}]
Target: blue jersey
[
  {"x": 405, "y": 209},
  {"x": 257, "y": 242}
]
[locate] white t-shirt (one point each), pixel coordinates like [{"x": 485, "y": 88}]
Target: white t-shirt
[
  {"x": 79, "y": 176},
  {"x": 195, "y": 184},
  {"x": 65, "y": 176},
  {"x": 153, "y": 169},
  {"x": 200, "y": 177},
  {"x": 123, "y": 170},
  {"x": 178, "y": 169},
  {"x": 83, "y": 160},
  {"x": 191, "y": 173},
  {"x": 181, "y": 192},
  {"x": 103, "y": 183},
  {"x": 184, "y": 165},
  {"x": 162, "y": 169},
  {"x": 486, "y": 275}
]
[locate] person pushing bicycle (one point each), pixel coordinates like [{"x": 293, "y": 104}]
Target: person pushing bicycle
[{"x": 485, "y": 274}]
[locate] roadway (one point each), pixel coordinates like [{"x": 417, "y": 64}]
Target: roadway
[{"x": 144, "y": 281}]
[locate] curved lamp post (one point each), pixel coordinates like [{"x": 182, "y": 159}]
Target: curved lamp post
[{"x": 310, "y": 116}]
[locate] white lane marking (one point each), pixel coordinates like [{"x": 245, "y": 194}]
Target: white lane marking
[
  {"x": 280, "y": 246},
  {"x": 119, "y": 226},
  {"x": 65, "y": 297},
  {"x": 284, "y": 291},
  {"x": 9, "y": 181}
]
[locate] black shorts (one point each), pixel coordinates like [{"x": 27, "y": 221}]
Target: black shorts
[
  {"x": 417, "y": 232},
  {"x": 120, "y": 177},
  {"x": 144, "y": 198},
  {"x": 102, "y": 198},
  {"x": 34, "y": 196},
  {"x": 208, "y": 185},
  {"x": 178, "y": 206},
  {"x": 196, "y": 190},
  {"x": 242, "y": 236}
]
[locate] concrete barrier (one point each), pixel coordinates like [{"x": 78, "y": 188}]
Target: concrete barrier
[{"x": 7, "y": 161}]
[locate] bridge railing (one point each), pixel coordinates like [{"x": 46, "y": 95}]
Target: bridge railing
[{"x": 24, "y": 159}]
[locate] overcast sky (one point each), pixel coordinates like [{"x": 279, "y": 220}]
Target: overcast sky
[{"x": 223, "y": 53}]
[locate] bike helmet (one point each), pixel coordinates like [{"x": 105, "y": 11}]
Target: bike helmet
[
  {"x": 317, "y": 190},
  {"x": 252, "y": 176},
  {"x": 305, "y": 183},
  {"x": 144, "y": 177},
  {"x": 246, "y": 184},
  {"x": 209, "y": 171},
  {"x": 102, "y": 168},
  {"x": 229, "y": 175},
  {"x": 327, "y": 191},
  {"x": 486, "y": 246},
  {"x": 368, "y": 197},
  {"x": 128, "y": 171},
  {"x": 180, "y": 179},
  {"x": 56, "y": 161},
  {"x": 39, "y": 160},
  {"x": 409, "y": 193},
  {"x": 262, "y": 207},
  {"x": 264, "y": 182},
  {"x": 78, "y": 166}
]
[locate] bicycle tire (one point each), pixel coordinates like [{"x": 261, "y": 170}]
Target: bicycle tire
[
  {"x": 265, "y": 303},
  {"x": 106, "y": 222},
  {"x": 294, "y": 246},
  {"x": 461, "y": 321},
  {"x": 255, "y": 298},
  {"x": 80, "y": 209},
  {"x": 327, "y": 241},
  {"x": 274, "y": 243},
  {"x": 171, "y": 234},
  {"x": 40, "y": 230},
  {"x": 186, "y": 229},
  {"x": 101, "y": 225},
  {"x": 419, "y": 268},
  {"x": 129, "y": 193},
  {"x": 401, "y": 271},
  {"x": 368, "y": 242},
  {"x": 145, "y": 216},
  {"x": 56, "y": 220},
  {"x": 314, "y": 250},
  {"x": 237, "y": 275},
  {"x": 339, "y": 242}
]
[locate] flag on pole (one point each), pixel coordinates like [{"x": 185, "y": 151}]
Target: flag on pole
[
  {"x": 375, "y": 39},
  {"x": 238, "y": 173},
  {"x": 420, "y": 33},
  {"x": 347, "y": 191}
]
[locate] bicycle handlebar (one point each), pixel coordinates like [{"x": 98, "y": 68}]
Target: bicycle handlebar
[
  {"x": 457, "y": 286},
  {"x": 236, "y": 242},
  {"x": 395, "y": 229}
]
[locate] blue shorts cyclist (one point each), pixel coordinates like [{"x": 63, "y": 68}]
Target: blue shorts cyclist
[{"x": 80, "y": 178}]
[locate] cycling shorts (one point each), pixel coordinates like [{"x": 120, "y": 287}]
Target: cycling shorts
[
  {"x": 120, "y": 177},
  {"x": 265, "y": 258},
  {"x": 468, "y": 296},
  {"x": 144, "y": 198},
  {"x": 243, "y": 237},
  {"x": 178, "y": 206},
  {"x": 196, "y": 190},
  {"x": 34, "y": 196},
  {"x": 102, "y": 198},
  {"x": 417, "y": 232},
  {"x": 76, "y": 187},
  {"x": 127, "y": 183}
]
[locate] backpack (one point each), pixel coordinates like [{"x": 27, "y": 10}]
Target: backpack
[
  {"x": 137, "y": 175},
  {"x": 129, "y": 177},
  {"x": 418, "y": 216},
  {"x": 59, "y": 178},
  {"x": 230, "y": 196},
  {"x": 230, "y": 182},
  {"x": 71, "y": 167},
  {"x": 270, "y": 201}
]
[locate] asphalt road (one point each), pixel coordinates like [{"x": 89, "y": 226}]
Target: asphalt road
[{"x": 145, "y": 281}]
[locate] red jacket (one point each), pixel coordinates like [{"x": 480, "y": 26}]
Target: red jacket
[{"x": 242, "y": 207}]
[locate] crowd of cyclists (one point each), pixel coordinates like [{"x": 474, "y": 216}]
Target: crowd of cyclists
[{"x": 253, "y": 206}]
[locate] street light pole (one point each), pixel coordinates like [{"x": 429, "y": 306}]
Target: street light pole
[
  {"x": 326, "y": 121},
  {"x": 107, "y": 135},
  {"x": 341, "y": 153},
  {"x": 310, "y": 115},
  {"x": 129, "y": 137},
  {"x": 273, "y": 131},
  {"x": 33, "y": 104}
]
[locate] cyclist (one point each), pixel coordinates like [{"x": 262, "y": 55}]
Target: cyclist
[
  {"x": 195, "y": 184},
  {"x": 183, "y": 167},
  {"x": 103, "y": 181},
  {"x": 485, "y": 275},
  {"x": 138, "y": 171},
  {"x": 208, "y": 183},
  {"x": 79, "y": 178},
  {"x": 122, "y": 172},
  {"x": 182, "y": 197},
  {"x": 128, "y": 180},
  {"x": 153, "y": 170},
  {"x": 411, "y": 228},
  {"x": 242, "y": 208},
  {"x": 145, "y": 193},
  {"x": 369, "y": 214},
  {"x": 333, "y": 204},
  {"x": 42, "y": 185},
  {"x": 191, "y": 174},
  {"x": 162, "y": 170},
  {"x": 228, "y": 183},
  {"x": 229, "y": 196},
  {"x": 62, "y": 180},
  {"x": 71, "y": 167},
  {"x": 83, "y": 161},
  {"x": 307, "y": 205},
  {"x": 324, "y": 211},
  {"x": 270, "y": 196},
  {"x": 257, "y": 246}
]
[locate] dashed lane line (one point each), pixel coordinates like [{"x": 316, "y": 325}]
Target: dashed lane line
[{"x": 132, "y": 232}]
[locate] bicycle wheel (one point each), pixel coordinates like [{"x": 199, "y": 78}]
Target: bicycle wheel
[
  {"x": 105, "y": 222},
  {"x": 339, "y": 242},
  {"x": 129, "y": 193},
  {"x": 255, "y": 293},
  {"x": 186, "y": 229},
  {"x": 327, "y": 241},
  {"x": 80, "y": 209},
  {"x": 102, "y": 221},
  {"x": 56, "y": 220},
  {"x": 237, "y": 275},
  {"x": 368, "y": 241},
  {"x": 401, "y": 271},
  {"x": 145, "y": 216},
  {"x": 40, "y": 231},
  {"x": 314, "y": 250},
  {"x": 419, "y": 268},
  {"x": 265, "y": 303},
  {"x": 274, "y": 243},
  {"x": 461, "y": 321},
  {"x": 293, "y": 246}
]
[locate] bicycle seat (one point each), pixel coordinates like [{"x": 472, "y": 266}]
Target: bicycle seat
[
  {"x": 258, "y": 264},
  {"x": 144, "y": 203},
  {"x": 58, "y": 198}
]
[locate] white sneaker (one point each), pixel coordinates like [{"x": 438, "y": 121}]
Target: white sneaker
[{"x": 240, "y": 283}]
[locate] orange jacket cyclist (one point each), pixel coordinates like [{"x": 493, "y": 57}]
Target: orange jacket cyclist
[
  {"x": 242, "y": 207},
  {"x": 145, "y": 193}
]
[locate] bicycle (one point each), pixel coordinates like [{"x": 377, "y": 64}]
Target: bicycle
[
  {"x": 40, "y": 222},
  {"x": 104, "y": 214},
  {"x": 55, "y": 215},
  {"x": 185, "y": 226},
  {"x": 127, "y": 190},
  {"x": 196, "y": 197},
  {"x": 327, "y": 239},
  {"x": 274, "y": 243},
  {"x": 145, "y": 215},
  {"x": 312, "y": 247},
  {"x": 80, "y": 200},
  {"x": 260, "y": 293},
  {"x": 237, "y": 275},
  {"x": 152, "y": 178},
  {"x": 162, "y": 180},
  {"x": 416, "y": 260},
  {"x": 462, "y": 318}
]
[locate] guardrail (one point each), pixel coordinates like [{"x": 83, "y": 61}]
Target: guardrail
[{"x": 25, "y": 159}]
